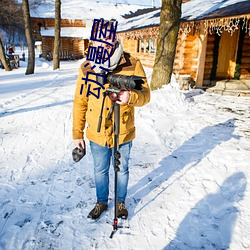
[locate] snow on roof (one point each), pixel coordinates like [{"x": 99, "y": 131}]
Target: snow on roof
[
  {"x": 138, "y": 2},
  {"x": 85, "y": 10},
  {"x": 80, "y": 32},
  {"x": 197, "y": 9},
  {"x": 191, "y": 11},
  {"x": 145, "y": 20}
]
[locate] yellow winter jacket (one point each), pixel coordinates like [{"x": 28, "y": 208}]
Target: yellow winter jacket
[{"x": 87, "y": 109}]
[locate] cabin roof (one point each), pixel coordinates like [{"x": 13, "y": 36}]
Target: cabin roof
[
  {"x": 85, "y": 10},
  {"x": 80, "y": 32},
  {"x": 194, "y": 10},
  {"x": 208, "y": 9}
]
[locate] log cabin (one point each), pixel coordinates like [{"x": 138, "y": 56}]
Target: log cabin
[
  {"x": 213, "y": 41},
  {"x": 74, "y": 37}
]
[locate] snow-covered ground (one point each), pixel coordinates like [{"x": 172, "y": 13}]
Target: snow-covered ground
[{"x": 189, "y": 170}]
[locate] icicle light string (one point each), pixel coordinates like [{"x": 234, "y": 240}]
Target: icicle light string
[
  {"x": 152, "y": 32},
  {"x": 246, "y": 25},
  {"x": 218, "y": 25}
]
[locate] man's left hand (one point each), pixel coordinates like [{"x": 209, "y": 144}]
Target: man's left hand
[{"x": 123, "y": 97}]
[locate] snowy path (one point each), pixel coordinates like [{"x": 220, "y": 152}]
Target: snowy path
[{"x": 189, "y": 171}]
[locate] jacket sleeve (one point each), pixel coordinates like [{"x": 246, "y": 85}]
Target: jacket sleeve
[
  {"x": 141, "y": 97},
  {"x": 80, "y": 106}
]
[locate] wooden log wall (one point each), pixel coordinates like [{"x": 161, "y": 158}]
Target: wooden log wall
[
  {"x": 131, "y": 46},
  {"x": 186, "y": 55},
  {"x": 73, "y": 45},
  {"x": 47, "y": 45},
  {"x": 185, "y": 59},
  {"x": 50, "y": 22},
  {"x": 178, "y": 61},
  {"x": 66, "y": 44},
  {"x": 79, "y": 46},
  {"x": 245, "y": 60},
  {"x": 146, "y": 59},
  {"x": 190, "y": 56}
]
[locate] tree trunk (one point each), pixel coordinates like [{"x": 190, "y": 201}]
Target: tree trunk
[
  {"x": 168, "y": 34},
  {"x": 3, "y": 57},
  {"x": 56, "y": 59},
  {"x": 29, "y": 38}
]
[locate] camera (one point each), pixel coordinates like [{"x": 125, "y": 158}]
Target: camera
[
  {"x": 121, "y": 82},
  {"x": 125, "y": 82}
]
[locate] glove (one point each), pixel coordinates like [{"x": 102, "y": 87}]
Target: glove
[{"x": 78, "y": 153}]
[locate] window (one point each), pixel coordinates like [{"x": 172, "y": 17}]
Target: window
[{"x": 146, "y": 45}]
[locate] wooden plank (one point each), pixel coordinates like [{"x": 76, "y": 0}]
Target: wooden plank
[
  {"x": 227, "y": 54},
  {"x": 185, "y": 72},
  {"x": 201, "y": 60},
  {"x": 208, "y": 65},
  {"x": 209, "y": 59},
  {"x": 245, "y": 60},
  {"x": 207, "y": 71}
]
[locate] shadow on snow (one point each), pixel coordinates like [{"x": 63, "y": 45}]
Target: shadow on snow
[
  {"x": 190, "y": 153},
  {"x": 23, "y": 110},
  {"x": 210, "y": 223}
]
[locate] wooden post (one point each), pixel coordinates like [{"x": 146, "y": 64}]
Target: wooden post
[
  {"x": 156, "y": 41},
  {"x": 149, "y": 45},
  {"x": 201, "y": 60},
  {"x": 145, "y": 45}
]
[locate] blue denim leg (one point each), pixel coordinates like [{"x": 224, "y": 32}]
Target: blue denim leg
[
  {"x": 123, "y": 174},
  {"x": 101, "y": 157}
]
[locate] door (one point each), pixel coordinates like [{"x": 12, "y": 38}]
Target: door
[{"x": 227, "y": 55}]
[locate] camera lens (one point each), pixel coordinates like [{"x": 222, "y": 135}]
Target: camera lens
[
  {"x": 113, "y": 96},
  {"x": 125, "y": 82}
]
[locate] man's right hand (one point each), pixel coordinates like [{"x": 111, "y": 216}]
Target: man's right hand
[{"x": 79, "y": 143}]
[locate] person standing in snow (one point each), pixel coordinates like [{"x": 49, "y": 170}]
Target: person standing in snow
[
  {"x": 87, "y": 107},
  {"x": 11, "y": 50}
]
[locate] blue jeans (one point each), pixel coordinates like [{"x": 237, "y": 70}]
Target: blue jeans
[{"x": 102, "y": 157}]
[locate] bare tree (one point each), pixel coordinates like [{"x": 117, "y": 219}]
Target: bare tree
[
  {"x": 11, "y": 16},
  {"x": 168, "y": 34},
  {"x": 3, "y": 57},
  {"x": 28, "y": 33},
  {"x": 11, "y": 24},
  {"x": 56, "y": 59},
  {"x": 36, "y": 3}
]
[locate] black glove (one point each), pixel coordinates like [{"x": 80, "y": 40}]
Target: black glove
[{"x": 78, "y": 153}]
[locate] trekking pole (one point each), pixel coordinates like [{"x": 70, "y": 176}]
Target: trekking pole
[{"x": 117, "y": 156}]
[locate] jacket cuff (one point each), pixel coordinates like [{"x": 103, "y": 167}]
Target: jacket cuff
[
  {"x": 77, "y": 135},
  {"x": 132, "y": 98}
]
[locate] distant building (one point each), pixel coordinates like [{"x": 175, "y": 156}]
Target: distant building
[{"x": 76, "y": 24}]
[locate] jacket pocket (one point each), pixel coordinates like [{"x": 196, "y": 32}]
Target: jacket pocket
[{"x": 127, "y": 120}]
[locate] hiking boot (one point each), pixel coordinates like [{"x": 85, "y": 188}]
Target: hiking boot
[
  {"x": 122, "y": 211},
  {"x": 97, "y": 210}
]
